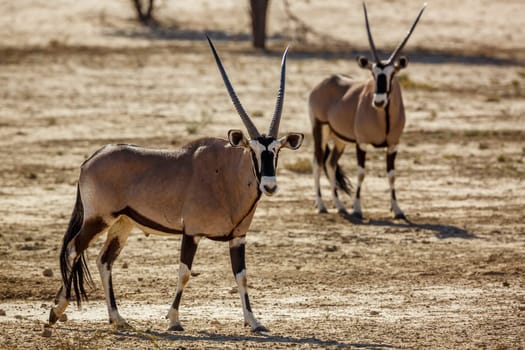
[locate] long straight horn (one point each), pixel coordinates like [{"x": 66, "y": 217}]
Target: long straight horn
[
  {"x": 250, "y": 127},
  {"x": 409, "y": 33},
  {"x": 274, "y": 126},
  {"x": 370, "y": 39}
]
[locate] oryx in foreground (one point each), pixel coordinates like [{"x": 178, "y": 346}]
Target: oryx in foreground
[
  {"x": 209, "y": 188},
  {"x": 365, "y": 113}
]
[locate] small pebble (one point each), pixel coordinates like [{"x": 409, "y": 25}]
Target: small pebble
[
  {"x": 63, "y": 318},
  {"x": 48, "y": 273},
  {"x": 125, "y": 265},
  {"x": 2, "y": 312}
]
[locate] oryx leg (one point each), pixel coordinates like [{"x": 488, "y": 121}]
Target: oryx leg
[
  {"x": 361, "y": 159},
  {"x": 187, "y": 253},
  {"x": 237, "y": 251},
  {"x": 117, "y": 236},
  {"x": 320, "y": 134},
  {"x": 71, "y": 257},
  {"x": 331, "y": 171},
  {"x": 391, "y": 174}
]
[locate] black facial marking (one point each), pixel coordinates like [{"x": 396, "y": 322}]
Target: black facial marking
[
  {"x": 268, "y": 166},
  {"x": 267, "y": 157},
  {"x": 381, "y": 86},
  {"x": 265, "y": 140}
]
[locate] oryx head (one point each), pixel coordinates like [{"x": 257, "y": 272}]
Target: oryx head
[
  {"x": 384, "y": 71},
  {"x": 264, "y": 148}
]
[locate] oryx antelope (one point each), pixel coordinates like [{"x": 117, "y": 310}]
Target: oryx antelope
[
  {"x": 209, "y": 188},
  {"x": 362, "y": 112}
]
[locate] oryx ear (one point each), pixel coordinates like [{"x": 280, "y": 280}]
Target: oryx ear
[
  {"x": 362, "y": 61},
  {"x": 402, "y": 62},
  {"x": 237, "y": 138},
  {"x": 292, "y": 141}
]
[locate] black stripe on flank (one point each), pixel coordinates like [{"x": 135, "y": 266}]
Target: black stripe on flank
[
  {"x": 344, "y": 138},
  {"x": 230, "y": 236},
  {"x": 387, "y": 112},
  {"x": 144, "y": 221}
]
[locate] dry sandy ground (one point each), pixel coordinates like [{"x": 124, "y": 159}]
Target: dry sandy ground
[{"x": 76, "y": 75}]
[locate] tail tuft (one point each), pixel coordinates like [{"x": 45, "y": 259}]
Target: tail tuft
[
  {"x": 343, "y": 182},
  {"x": 341, "y": 179},
  {"x": 79, "y": 273}
]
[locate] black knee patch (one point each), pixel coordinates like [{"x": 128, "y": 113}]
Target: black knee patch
[
  {"x": 111, "y": 253},
  {"x": 361, "y": 156},
  {"x": 390, "y": 161},
  {"x": 237, "y": 255},
  {"x": 187, "y": 250}
]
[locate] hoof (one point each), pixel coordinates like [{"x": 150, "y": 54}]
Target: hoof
[
  {"x": 357, "y": 215},
  {"x": 52, "y": 317},
  {"x": 176, "y": 328},
  {"x": 343, "y": 212},
  {"x": 260, "y": 328},
  {"x": 322, "y": 211},
  {"x": 400, "y": 216}
]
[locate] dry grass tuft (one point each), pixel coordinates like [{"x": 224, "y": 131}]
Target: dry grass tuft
[{"x": 301, "y": 166}]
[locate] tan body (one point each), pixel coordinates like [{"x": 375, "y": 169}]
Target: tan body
[
  {"x": 209, "y": 188},
  {"x": 178, "y": 197},
  {"x": 343, "y": 110},
  {"x": 345, "y": 105}
]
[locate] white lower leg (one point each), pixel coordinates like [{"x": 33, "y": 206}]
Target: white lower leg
[
  {"x": 173, "y": 313},
  {"x": 61, "y": 304},
  {"x": 105, "y": 274},
  {"x": 249, "y": 318},
  {"x": 393, "y": 200},
  {"x": 317, "y": 183},
  {"x": 356, "y": 207}
]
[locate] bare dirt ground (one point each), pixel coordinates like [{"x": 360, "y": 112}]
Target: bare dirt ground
[{"x": 76, "y": 75}]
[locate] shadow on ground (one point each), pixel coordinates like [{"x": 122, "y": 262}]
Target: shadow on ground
[
  {"x": 441, "y": 231},
  {"x": 260, "y": 338},
  {"x": 302, "y": 51}
]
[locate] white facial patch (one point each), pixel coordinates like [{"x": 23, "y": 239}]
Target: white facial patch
[
  {"x": 388, "y": 71},
  {"x": 257, "y": 148}
]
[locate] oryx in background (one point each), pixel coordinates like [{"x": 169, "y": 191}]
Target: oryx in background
[
  {"x": 208, "y": 188},
  {"x": 362, "y": 112}
]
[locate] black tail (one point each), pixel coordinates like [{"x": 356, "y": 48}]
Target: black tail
[
  {"x": 74, "y": 275},
  {"x": 342, "y": 181}
]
